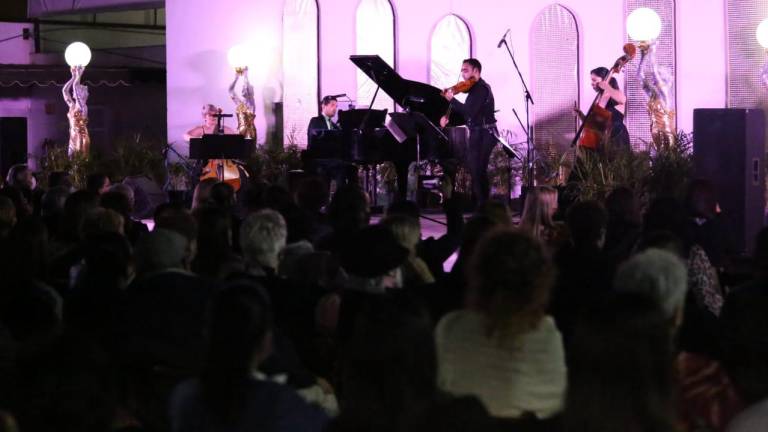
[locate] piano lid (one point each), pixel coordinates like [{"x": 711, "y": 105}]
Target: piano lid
[{"x": 409, "y": 95}]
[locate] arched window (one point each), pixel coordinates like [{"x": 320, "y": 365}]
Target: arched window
[
  {"x": 554, "y": 36},
  {"x": 300, "y": 69},
  {"x": 375, "y": 35},
  {"x": 451, "y": 43}
]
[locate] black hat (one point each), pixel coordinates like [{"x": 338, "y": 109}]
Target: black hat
[{"x": 371, "y": 252}]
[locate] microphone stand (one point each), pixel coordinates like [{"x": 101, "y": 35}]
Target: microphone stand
[{"x": 528, "y": 132}]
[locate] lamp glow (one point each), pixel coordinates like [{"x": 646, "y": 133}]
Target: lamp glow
[
  {"x": 643, "y": 24},
  {"x": 762, "y": 33},
  {"x": 77, "y": 54},
  {"x": 240, "y": 56}
]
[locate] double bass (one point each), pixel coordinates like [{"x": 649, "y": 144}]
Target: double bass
[{"x": 597, "y": 121}]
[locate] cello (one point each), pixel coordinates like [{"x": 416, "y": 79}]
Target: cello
[
  {"x": 224, "y": 170},
  {"x": 597, "y": 121}
]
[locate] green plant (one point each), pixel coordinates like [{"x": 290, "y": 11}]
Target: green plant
[
  {"x": 57, "y": 158},
  {"x": 596, "y": 173},
  {"x": 135, "y": 155},
  {"x": 671, "y": 165},
  {"x": 501, "y": 167},
  {"x": 271, "y": 164}
]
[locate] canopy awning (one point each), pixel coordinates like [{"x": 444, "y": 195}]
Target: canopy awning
[
  {"x": 43, "y": 8},
  {"x": 56, "y": 75}
]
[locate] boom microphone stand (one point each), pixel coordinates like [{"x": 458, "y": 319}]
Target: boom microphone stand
[{"x": 528, "y": 101}]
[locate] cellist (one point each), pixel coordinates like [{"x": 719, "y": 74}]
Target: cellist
[
  {"x": 209, "y": 124},
  {"x": 612, "y": 101}
]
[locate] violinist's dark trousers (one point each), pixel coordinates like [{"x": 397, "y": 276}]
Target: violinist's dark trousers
[{"x": 481, "y": 143}]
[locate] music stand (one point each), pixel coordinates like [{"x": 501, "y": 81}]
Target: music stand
[
  {"x": 215, "y": 146},
  {"x": 404, "y": 125}
]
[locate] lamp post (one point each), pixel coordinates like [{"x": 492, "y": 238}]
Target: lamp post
[
  {"x": 77, "y": 56},
  {"x": 644, "y": 26},
  {"x": 239, "y": 57}
]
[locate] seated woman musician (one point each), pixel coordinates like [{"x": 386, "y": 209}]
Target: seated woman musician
[{"x": 209, "y": 124}]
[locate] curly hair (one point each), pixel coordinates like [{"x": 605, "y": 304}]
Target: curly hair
[{"x": 510, "y": 280}]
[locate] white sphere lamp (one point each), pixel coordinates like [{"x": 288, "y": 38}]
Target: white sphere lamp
[
  {"x": 240, "y": 56},
  {"x": 762, "y": 33},
  {"x": 643, "y": 24},
  {"x": 77, "y": 54}
]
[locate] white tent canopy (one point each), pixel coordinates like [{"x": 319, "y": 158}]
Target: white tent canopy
[{"x": 42, "y": 8}]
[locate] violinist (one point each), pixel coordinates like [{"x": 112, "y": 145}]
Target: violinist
[
  {"x": 612, "y": 100},
  {"x": 478, "y": 112}
]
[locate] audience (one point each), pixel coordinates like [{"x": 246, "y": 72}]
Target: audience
[
  {"x": 705, "y": 395},
  {"x": 215, "y": 257},
  {"x": 621, "y": 376},
  {"x": 230, "y": 394},
  {"x": 389, "y": 375},
  {"x": 287, "y": 310},
  {"x": 585, "y": 270},
  {"x": 624, "y": 223},
  {"x": 538, "y": 217},
  {"x": 407, "y": 232},
  {"x": 7, "y": 217},
  {"x": 162, "y": 313},
  {"x": 97, "y": 183},
  {"x": 202, "y": 193}
]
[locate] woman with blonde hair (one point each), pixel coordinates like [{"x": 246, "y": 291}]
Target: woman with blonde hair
[
  {"x": 537, "y": 219},
  {"x": 407, "y": 231},
  {"x": 503, "y": 347}
]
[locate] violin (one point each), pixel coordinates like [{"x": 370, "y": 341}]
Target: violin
[
  {"x": 462, "y": 86},
  {"x": 598, "y": 119}
]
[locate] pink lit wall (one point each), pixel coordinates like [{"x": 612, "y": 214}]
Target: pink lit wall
[{"x": 199, "y": 34}]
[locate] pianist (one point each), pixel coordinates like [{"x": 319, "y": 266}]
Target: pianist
[
  {"x": 331, "y": 169},
  {"x": 324, "y": 121},
  {"x": 478, "y": 111}
]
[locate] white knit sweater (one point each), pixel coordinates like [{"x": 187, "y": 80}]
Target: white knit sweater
[{"x": 511, "y": 377}]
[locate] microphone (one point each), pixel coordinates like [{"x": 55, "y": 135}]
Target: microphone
[
  {"x": 503, "y": 39},
  {"x": 336, "y": 96}
]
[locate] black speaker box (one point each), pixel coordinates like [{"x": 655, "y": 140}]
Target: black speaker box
[{"x": 729, "y": 150}]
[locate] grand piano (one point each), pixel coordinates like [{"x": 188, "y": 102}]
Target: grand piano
[{"x": 365, "y": 136}]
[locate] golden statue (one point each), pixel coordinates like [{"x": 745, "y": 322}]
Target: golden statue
[
  {"x": 245, "y": 105},
  {"x": 658, "y": 88},
  {"x": 76, "y": 95}
]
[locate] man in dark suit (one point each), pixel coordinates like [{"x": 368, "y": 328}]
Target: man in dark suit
[
  {"x": 478, "y": 111},
  {"x": 330, "y": 169},
  {"x": 328, "y": 108}
]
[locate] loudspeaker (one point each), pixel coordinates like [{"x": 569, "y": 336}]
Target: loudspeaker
[
  {"x": 729, "y": 150},
  {"x": 13, "y": 143}
]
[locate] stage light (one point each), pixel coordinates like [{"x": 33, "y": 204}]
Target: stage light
[
  {"x": 643, "y": 24},
  {"x": 241, "y": 56},
  {"x": 762, "y": 33},
  {"x": 77, "y": 54}
]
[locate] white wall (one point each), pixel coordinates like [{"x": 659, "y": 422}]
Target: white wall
[
  {"x": 198, "y": 36},
  {"x": 701, "y": 58}
]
